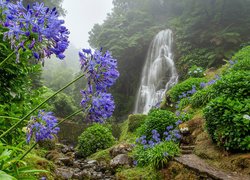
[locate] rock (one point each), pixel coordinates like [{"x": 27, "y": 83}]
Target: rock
[
  {"x": 67, "y": 161},
  {"x": 92, "y": 162},
  {"x": 52, "y": 155},
  {"x": 120, "y": 149},
  {"x": 86, "y": 174},
  {"x": 121, "y": 160},
  {"x": 62, "y": 173}
]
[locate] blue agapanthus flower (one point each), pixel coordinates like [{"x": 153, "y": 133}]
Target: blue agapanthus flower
[
  {"x": 101, "y": 68},
  {"x": 42, "y": 127},
  {"x": 35, "y": 27},
  {"x": 99, "y": 106}
]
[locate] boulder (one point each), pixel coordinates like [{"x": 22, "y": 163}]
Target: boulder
[
  {"x": 121, "y": 160},
  {"x": 120, "y": 149}
]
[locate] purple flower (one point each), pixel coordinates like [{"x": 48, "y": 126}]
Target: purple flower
[
  {"x": 101, "y": 107},
  {"x": 135, "y": 163},
  {"x": 168, "y": 138},
  {"x": 178, "y": 113},
  {"x": 101, "y": 69},
  {"x": 151, "y": 143},
  {"x": 169, "y": 127},
  {"x": 178, "y": 122},
  {"x": 37, "y": 26},
  {"x": 42, "y": 127},
  {"x": 203, "y": 84}
]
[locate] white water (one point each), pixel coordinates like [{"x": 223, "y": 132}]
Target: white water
[{"x": 159, "y": 72}]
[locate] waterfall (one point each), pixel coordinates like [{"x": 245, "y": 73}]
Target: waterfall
[{"x": 159, "y": 72}]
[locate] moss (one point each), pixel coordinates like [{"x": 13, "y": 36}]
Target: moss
[
  {"x": 135, "y": 121},
  {"x": 138, "y": 173},
  {"x": 176, "y": 171},
  {"x": 126, "y": 136},
  {"x": 40, "y": 163},
  {"x": 102, "y": 155}
]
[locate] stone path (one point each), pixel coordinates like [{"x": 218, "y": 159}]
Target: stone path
[{"x": 195, "y": 163}]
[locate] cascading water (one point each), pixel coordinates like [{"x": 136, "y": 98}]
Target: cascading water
[{"x": 159, "y": 72}]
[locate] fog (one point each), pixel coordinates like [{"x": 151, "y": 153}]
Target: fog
[{"x": 82, "y": 15}]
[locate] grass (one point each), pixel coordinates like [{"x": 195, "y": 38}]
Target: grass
[
  {"x": 126, "y": 136},
  {"x": 102, "y": 155},
  {"x": 138, "y": 173}
]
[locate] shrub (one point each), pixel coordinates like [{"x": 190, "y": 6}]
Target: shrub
[
  {"x": 183, "y": 103},
  {"x": 226, "y": 122},
  {"x": 158, "y": 156},
  {"x": 94, "y": 138},
  {"x": 196, "y": 71},
  {"x": 202, "y": 97},
  {"x": 242, "y": 60},
  {"x": 235, "y": 84},
  {"x": 135, "y": 121},
  {"x": 185, "y": 86},
  {"x": 157, "y": 119}
]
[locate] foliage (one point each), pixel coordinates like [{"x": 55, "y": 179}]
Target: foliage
[
  {"x": 11, "y": 167},
  {"x": 226, "y": 124},
  {"x": 138, "y": 173},
  {"x": 196, "y": 71},
  {"x": 182, "y": 88},
  {"x": 94, "y": 138},
  {"x": 202, "y": 97},
  {"x": 241, "y": 60},
  {"x": 158, "y": 120},
  {"x": 158, "y": 156},
  {"x": 63, "y": 105},
  {"x": 126, "y": 135},
  {"x": 135, "y": 121},
  {"x": 183, "y": 103},
  {"x": 234, "y": 85}
]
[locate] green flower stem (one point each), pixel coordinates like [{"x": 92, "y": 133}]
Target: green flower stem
[
  {"x": 28, "y": 151},
  {"x": 8, "y": 117},
  {"x": 7, "y": 58},
  {"x": 73, "y": 114},
  {"x": 26, "y": 116},
  {"x": 33, "y": 146}
]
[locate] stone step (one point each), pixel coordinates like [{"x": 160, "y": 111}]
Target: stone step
[
  {"x": 186, "y": 151},
  {"x": 200, "y": 166},
  {"x": 187, "y": 147}
]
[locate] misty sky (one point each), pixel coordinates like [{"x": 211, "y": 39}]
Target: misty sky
[{"x": 82, "y": 15}]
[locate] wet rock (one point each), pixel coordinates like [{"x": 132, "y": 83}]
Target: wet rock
[
  {"x": 63, "y": 173},
  {"x": 92, "y": 162},
  {"x": 67, "y": 161},
  {"x": 121, "y": 160},
  {"x": 120, "y": 149}
]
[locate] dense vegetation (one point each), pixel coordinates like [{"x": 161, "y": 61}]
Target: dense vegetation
[{"x": 205, "y": 33}]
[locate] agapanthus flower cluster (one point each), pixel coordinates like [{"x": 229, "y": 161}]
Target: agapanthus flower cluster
[
  {"x": 211, "y": 82},
  {"x": 102, "y": 106},
  {"x": 171, "y": 134},
  {"x": 101, "y": 68},
  {"x": 42, "y": 127},
  {"x": 35, "y": 27},
  {"x": 186, "y": 95},
  {"x": 101, "y": 72}
]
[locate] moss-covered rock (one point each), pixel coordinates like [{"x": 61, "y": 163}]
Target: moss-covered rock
[{"x": 135, "y": 121}]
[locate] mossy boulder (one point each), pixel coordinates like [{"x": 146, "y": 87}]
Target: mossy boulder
[{"x": 135, "y": 121}]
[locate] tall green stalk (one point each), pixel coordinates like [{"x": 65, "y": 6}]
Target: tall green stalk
[
  {"x": 7, "y": 58},
  {"x": 34, "y": 145},
  {"x": 27, "y": 115}
]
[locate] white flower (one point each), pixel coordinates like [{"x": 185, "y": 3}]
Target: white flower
[
  {"x": 246, "y": 117},
  {"x": 184, "y": 129}
]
